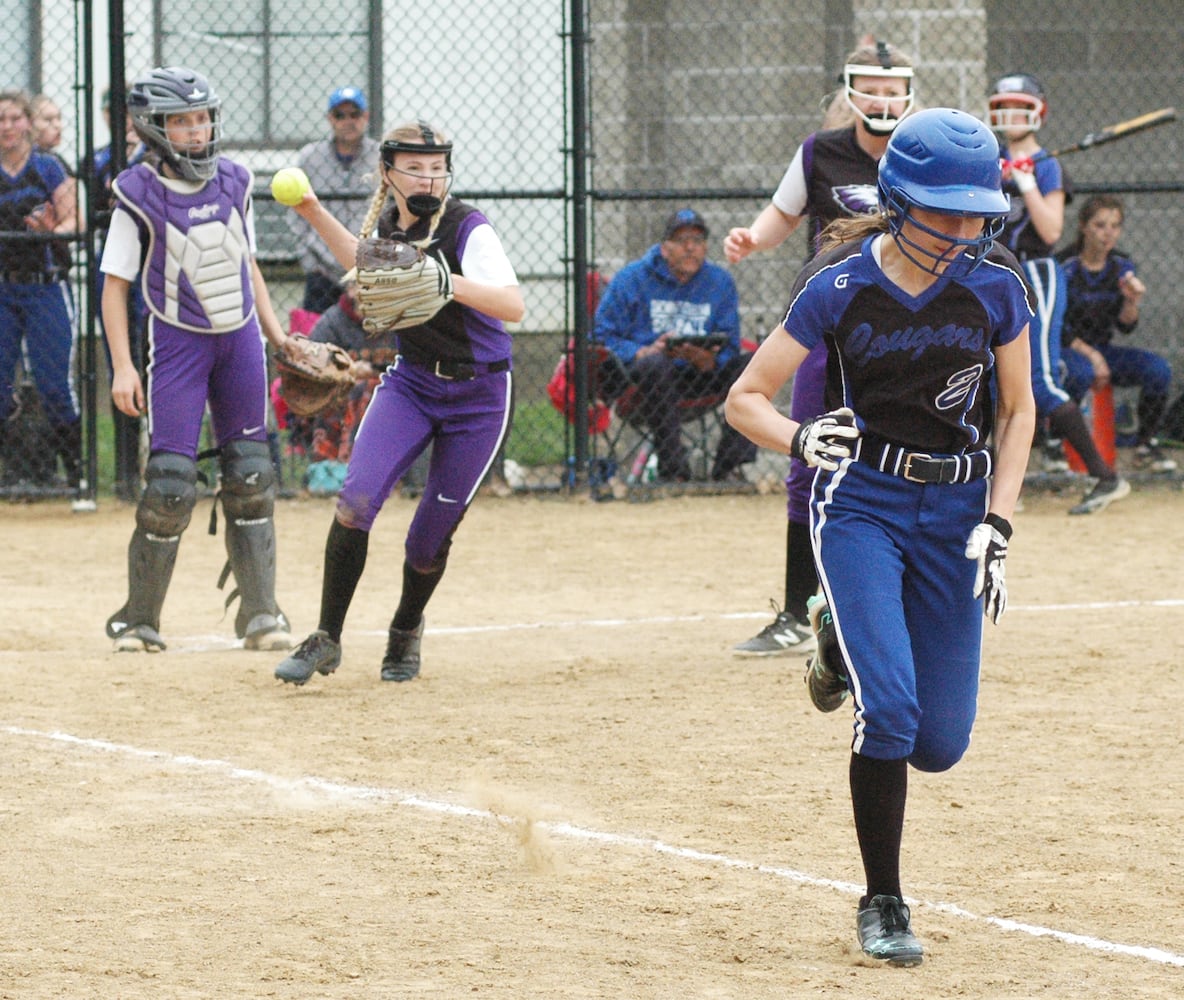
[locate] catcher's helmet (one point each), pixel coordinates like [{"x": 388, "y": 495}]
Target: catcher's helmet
[
  {"x": 170, "y": 90},
  {"x": 882, "y": 62},
  {"x": 1017, "y": 88},
  {"x": 419, "y": 138},
  {"x": 945, "y": 161}
]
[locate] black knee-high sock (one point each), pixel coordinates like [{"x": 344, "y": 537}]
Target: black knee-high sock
[
  {"x": 345, "y": 558},
  {"x": 801, "y": 575},
  {"x": 417, "y": 591},
  {"x": 878, "y": 792},
  {"x": 1067, "y": 422}
]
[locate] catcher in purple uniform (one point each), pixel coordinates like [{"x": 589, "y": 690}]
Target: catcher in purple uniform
[
  {"x": 832, "y": 176},
  {"x": 183, "y": 227},
  {"x": 448, "y": 388}
]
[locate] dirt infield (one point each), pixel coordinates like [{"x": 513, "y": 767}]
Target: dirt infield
[{"x": 584, "y": 795}]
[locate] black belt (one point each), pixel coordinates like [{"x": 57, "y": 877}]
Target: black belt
[
  {"x": 461, "y": 371},
  {"x": 27, "y": 278},
  {"x": 920, "y": 467}
]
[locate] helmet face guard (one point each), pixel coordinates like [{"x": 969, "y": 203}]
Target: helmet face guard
[
  {"x": 169, "y": 91},
  {"x": 883, "y": 123},
  {"x": 943, "y": 161},
  {"x": 421, "y": 205},
  {"x": 1021, "y": 89}
]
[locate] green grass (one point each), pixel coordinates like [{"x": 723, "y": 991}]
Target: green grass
[
  {"x": 536, "y": 438},
  {"x": 538, "y": 435}
]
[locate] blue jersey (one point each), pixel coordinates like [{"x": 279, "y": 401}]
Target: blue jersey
[
  {"x": 914, "y": 370},
  {"x": 1095, "y": 299},
  {"x": 1019, "y": 235}
]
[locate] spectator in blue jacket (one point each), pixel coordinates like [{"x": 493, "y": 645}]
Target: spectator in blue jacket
[{"x": 671, "y": 323}]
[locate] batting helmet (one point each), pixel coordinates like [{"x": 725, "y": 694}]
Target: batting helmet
[
  {"x": 1017, "y": 101},
  {"x": 944, "y": 161},
  {"x": 168, "y": 91}
]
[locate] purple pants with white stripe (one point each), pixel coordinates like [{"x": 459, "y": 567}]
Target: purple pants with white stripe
[{"x": 465, "y": 424}]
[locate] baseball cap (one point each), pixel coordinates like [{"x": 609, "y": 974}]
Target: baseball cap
[
  {"x": 683, "y": 217},
  {"x": 347, "y": 95}
]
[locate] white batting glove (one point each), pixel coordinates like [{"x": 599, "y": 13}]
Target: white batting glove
[
  {"x": 1025, "y": 180},
  {"x": 824, "y": 441},
  {"x": 988, "y": 545}
]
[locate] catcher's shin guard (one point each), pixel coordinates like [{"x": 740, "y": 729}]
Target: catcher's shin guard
[
  {"x": 163, "y": 513},
  {"x": 150, "y": 562},
  {"x": 248, "y": 501}
]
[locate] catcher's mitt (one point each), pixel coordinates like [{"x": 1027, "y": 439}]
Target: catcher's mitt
[
  {"x": 399, "y": 285},
  {"x": 314, "y": 376}
]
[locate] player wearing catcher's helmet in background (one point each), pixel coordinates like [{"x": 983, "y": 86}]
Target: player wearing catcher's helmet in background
[
  {"x": 183, "y": 226},
  {"x": 449, "y": 388},
  {"x": 909, "y": 507},
  {"x": 832, "y": 176},
  {"x": 1039, "y": 189}
]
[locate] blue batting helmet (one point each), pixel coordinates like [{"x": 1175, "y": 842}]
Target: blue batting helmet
[{"x": 944, "y": 161}]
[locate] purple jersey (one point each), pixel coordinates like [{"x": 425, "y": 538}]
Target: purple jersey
[
  {"x": 455, "y": 333},
  {"x": 197, "y": 273}
]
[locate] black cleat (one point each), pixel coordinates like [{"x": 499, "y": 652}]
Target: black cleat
[
  {"x": 826, "y": 677},
  {"x": 401, "y": 662},
  {"x": 884, "y": 932},
  {"x": 318, "y": 654}
]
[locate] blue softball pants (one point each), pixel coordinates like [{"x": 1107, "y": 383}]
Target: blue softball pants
[{"x": 891, "y": 558}]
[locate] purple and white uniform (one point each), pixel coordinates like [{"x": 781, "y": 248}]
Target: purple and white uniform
[
  {"x": 450, "y": 388},
  {"x": 830, "y": 177},
  {"x": 190, "y": 245}
]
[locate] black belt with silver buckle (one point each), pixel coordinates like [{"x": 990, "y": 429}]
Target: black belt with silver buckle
[
  {"x": 920, "y": 467},
  {"x": 463, "y": 371},
  {"x": 27, "y": 278}
]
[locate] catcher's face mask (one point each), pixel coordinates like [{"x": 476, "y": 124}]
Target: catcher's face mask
[{"x": 428, "y": 159}]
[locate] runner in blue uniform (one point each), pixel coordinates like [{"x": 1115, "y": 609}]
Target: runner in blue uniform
[
  {"x": 449, "y": 388},
  {"x": 910, "y": 505}
]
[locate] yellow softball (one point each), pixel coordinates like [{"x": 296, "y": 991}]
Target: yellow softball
[{"x": 289, "y": 185}]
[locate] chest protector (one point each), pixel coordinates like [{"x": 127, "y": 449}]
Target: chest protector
[{"x": 196, "y": 272}]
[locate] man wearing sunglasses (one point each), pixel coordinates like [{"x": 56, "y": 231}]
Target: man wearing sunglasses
[{"x": 341, "y": 170}]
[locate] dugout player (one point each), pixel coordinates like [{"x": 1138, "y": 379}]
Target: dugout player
[
  {"x": 831, "y": 176},
  {"x": 36, "y": 306},
  {"x": 183, "y": 226},
  {"x": 909, "y": 508},
  {"x": 1039, "y": 189},
  {"x": 449, "y": 388},
  {"x": 1103, "y": 302}
]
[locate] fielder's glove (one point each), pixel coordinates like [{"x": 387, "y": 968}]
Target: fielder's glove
[
  {"x": 826, "y": 440},
  {"x": 399, "y": 285},
  {"x": 988, "y": 545},
  {"x": 314, "y": 377}
]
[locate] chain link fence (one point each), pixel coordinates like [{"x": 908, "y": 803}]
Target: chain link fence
[{"x": 579, "y": 128}]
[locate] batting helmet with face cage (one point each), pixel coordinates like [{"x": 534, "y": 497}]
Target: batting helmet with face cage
[
  {"x": 171, "y": 90},
  {"x": 1017, "y": 89},
  {"x": 945, "y": 161}
]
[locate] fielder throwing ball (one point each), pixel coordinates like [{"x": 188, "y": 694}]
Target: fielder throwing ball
[
  {"x": 183, "y": 226},
  {"x": 910, "y": 508},
  {"x": 449, "y": 387}
]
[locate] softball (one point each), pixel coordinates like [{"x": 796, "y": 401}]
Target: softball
[{"x": 290, "y": 185}]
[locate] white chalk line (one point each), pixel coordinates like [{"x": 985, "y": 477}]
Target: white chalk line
[
  {"x": 391, "y": 796},
  {"x": 211, "y": 642}
]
